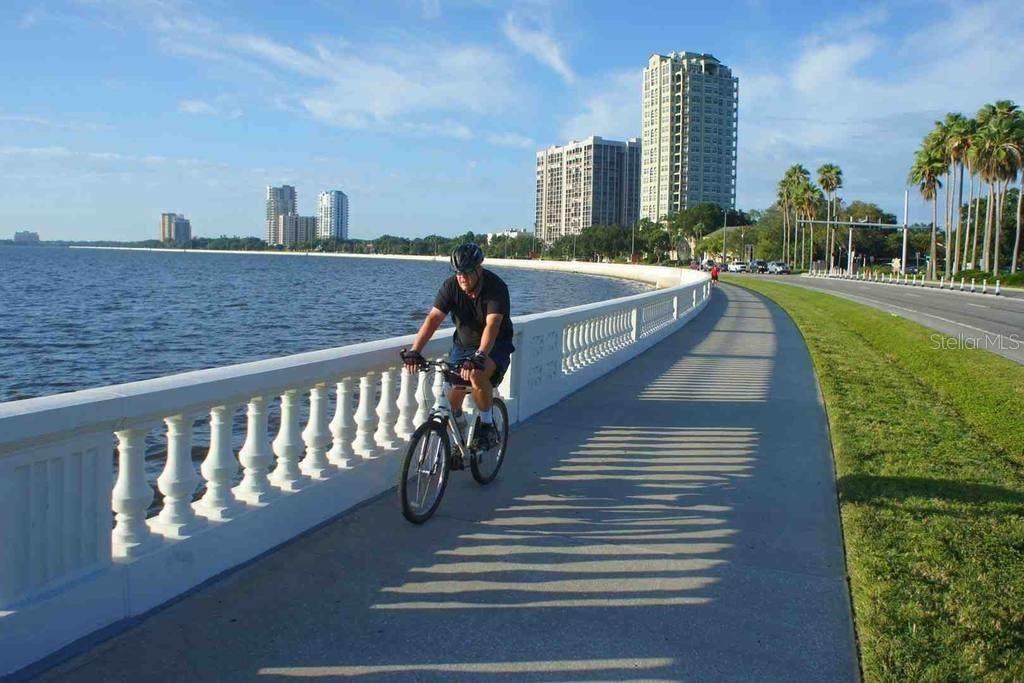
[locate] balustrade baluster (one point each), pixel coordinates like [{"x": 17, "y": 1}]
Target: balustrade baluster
[
  {"x": 386, "y": 412},
  {"x": 366, "y": 418},
  {"x": 178, "y": 481},
  {"x": 424, "y": 397},
  {"x": 565, "y": 347},
  {"x": 219, "y": 468},
  {"x": 131, "y": 496},
  {"x": 342, "y": 426},
  {"x": 406, "y": 405},
  {"x": 288, "y": 446},
  {"x": 255, "y": 456},
  {"x": 316, "y": 436}
]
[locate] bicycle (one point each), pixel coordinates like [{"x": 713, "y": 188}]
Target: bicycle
[{"x": 430, "y": 459}]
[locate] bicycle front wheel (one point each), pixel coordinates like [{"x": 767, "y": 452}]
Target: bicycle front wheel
[
  {"x": 424, "y": 472},
  {"x": 485, "y": 464}
]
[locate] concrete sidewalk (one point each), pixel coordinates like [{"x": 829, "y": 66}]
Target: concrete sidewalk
[{"x": 676, "y": 520}]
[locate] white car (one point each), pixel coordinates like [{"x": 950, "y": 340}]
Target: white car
[{"x": 737, "y": 267}]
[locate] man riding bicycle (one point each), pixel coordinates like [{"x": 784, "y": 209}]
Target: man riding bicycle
[{"x": 478, "y": 302}]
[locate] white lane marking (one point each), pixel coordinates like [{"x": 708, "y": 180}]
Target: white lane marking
[
  {"x": 937, "y": 317},
  {"x": 932, "y": 290},
  {"x": 976, "y": 305},
  {"x": 916, "y": 296}
]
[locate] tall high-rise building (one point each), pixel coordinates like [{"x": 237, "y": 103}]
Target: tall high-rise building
[
  {"x": 690, "y": 104},
  {"x": 584, "y": 183},
  {"x": 280, "y": 202},
  {"x": 292, "y": 229},
  {"x": 332, "y": 215},
  {"x": 175, "y": 228}
]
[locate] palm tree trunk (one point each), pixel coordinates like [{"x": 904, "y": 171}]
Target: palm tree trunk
[
  {"x": 970, "y": 205},
  {"x": 960, "y": 205},
  {"x": 1016, "y": 241},
  {"x": 949, "y": 219},
  {"x": 986, "y": 238},
  {"x": 932, "y": 248},
  {"x": 999, "y": 227},
  {"x": 974, "y": 246}
]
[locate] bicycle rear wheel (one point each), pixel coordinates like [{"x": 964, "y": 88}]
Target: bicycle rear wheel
[
  {"x": 424, "y": 472},
  {"x": 485, "y": 464}
]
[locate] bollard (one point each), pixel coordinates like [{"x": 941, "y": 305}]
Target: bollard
[
  {"x": 997, "y": 288},
  {"x": 962, "y": 280},
  {"x": 984, "y": 286},
  {"x": 942, "y": 281},
  {"x": 972, "y": 285}
]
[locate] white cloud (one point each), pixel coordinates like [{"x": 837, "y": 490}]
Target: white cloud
[
  {"x": 864, "y": 97},
  {"x": 431, "y": 8},
  {"x": 537, "y": 43},
  {"x": 511, "y": 140},
  {"x": 62, "y": 124},
  {"x": 196, "y": 107},
  {"x": 611, "y": 111}
]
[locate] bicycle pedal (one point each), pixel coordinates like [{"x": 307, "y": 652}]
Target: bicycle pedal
[{"x": 457, "y": 463}]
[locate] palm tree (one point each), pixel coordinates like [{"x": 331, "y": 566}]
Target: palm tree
[
  {"x": 958, "y": 132},
  {"x": 810, "y": 198},
  {"x": 929, "y": 165},
  {"x": 830, "y": 178},
  {"x": 795, "y": 176},
  {"x": 1019, "y": 143},
  {"x": 998, "y": 156}
]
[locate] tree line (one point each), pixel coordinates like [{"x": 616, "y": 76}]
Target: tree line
[{"x": 989, "y": 148}]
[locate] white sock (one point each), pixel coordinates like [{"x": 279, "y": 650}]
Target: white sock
[{"x": 485, "y": 417}]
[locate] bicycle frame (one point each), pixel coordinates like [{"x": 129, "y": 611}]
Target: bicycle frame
[{"x": 443, "y": 412}]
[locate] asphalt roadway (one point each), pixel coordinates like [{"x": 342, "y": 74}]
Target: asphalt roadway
[
  {"x": 985, "y": 321},
  {"x": 675, "y": 520}
]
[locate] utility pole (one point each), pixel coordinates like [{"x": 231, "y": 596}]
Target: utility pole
[
  {"x": 906, "y": 210},
  {"x": 849, "y": 250},
  {"x": 725, "y": 223}
]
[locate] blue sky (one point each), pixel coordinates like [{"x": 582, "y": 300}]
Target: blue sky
[{"x": 428, "y": 113}]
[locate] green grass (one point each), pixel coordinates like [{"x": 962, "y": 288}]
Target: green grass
[
  {"x": 1005, "y": 279},
  {"x": 929, "y": 451}
]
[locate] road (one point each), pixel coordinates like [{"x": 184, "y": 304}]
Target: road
[{"x": 980, "y": 320}]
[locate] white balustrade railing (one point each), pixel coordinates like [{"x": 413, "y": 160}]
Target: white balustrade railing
[{"x": 77, "y": 551}]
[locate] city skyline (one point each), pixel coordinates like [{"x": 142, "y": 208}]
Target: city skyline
[{"x": 432, "y": 125}]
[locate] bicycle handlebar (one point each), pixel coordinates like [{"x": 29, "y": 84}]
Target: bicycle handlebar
[{"x": 450, "y": 370}]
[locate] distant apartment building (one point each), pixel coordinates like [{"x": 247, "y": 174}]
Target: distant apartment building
[
  {"x": 280, "y": 202},
  {"x": 294, "y": 229},
  {"x": 175, "y": 228},
  {"x": 690, "y": 104},
  {"x": 332, "y": 215},
  {"x": 514, "y": 233},
  {"x": 26, "y": 237},
  {"x": 587, "y": 182}
]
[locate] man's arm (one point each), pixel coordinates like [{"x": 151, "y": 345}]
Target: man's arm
[
  {"x": 490, "y": 333},
  {"x": 428, "y": 328}
]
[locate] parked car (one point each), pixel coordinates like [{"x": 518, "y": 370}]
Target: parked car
[
  {"x": 778, "y": 267},
  {"x": 911, "y": 270},
  {"x": 737, "y": 267},
  {"x": 758, "y": 267},
  {"x": 708, "y": 264}
]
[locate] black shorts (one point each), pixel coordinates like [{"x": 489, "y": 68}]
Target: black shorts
[{"x": 501, "y": 354}]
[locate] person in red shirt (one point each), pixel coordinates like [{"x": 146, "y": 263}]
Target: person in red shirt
[{"x": 714, "y": 275}]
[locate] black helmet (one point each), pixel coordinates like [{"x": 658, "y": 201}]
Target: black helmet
[{"x": 466, "y": 257}]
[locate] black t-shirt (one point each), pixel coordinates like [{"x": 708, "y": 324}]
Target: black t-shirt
[{"x": 470, "y": 315}]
